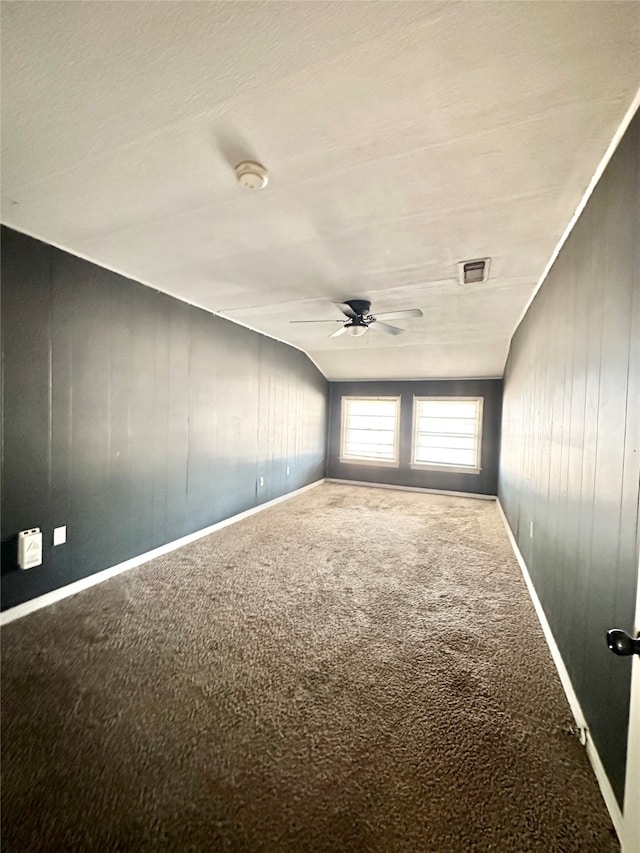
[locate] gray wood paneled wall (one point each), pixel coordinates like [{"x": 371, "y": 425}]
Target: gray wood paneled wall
[
  {"x": 570, "y": 459},
  {"x": 133, "y": 418}
]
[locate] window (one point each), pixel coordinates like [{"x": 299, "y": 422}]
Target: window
[
  {"x": 370, "y": 430},
  {"x": 447, "y": 433}
]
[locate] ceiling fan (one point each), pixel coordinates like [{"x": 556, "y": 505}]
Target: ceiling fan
[{"x": 360, "y": 318}]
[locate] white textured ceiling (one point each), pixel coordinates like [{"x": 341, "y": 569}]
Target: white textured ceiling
[{"x": 400, "y": 139}]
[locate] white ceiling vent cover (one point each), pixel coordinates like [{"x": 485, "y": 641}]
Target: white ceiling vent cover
[{"x": 474, "y": 272}]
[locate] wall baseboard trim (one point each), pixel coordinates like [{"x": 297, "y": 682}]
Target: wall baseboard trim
[
  {"x": 411, "y": 489},
  {"x": 596, "y": 763},
  {"x": 20, "y": 610}
]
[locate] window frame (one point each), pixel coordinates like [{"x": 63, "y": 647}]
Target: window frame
[
  {"x": 433, "y": 466},
  {"x": 364, "y": 460}
]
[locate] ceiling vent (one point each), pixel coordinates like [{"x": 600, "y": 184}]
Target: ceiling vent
[{"x": 474, "y": 272}]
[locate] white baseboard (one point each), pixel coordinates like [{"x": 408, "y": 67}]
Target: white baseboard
[
  {"x": 55, "y": 595},
  {"x": 596, "y": 763},
  {"x": 411, "y": 489}
]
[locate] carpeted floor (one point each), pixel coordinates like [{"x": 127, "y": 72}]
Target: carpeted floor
[{"x": 353, "y": 670}]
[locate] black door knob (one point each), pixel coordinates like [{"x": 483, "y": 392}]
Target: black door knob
[{"x": 620, "y": 643}]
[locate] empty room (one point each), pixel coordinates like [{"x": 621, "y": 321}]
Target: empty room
[{"x": 320, "y": 426}]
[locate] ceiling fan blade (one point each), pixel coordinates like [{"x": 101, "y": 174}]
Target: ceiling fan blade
[
  {"x": 396, "y": 315},
  {"x": 347, "y": 310},
  {"x": 337, "y": 332},
  {"x": 385, "y": 327},
  {"x": 316, "y": 321}
]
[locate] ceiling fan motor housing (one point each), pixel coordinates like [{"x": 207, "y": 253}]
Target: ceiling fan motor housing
[{"x": 359, "y": 306}]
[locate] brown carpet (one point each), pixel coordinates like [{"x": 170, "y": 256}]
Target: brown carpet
[{"x": 353, "y": 670}]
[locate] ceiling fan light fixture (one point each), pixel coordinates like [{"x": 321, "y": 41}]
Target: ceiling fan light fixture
[{"x": 357, "y": 330}]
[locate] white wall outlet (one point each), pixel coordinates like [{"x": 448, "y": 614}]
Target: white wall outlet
[
  {"x": 59, "y": 535},
  {"x": 261, "y": 481},
  {"x": 531, "y": 530},
  {"x": 288, "y": 470},
  {"x": 29, "y": 548}
]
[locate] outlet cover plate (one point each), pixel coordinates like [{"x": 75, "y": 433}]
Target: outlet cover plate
[{"x": 59, "y": 535}]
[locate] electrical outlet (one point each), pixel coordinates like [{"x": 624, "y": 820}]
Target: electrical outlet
[
  {"x": 59, "y": 535},
  {"x": 531, "y": 530},
  {"x": 288, "y": 470},
  {"x": 261, "y": 481}
]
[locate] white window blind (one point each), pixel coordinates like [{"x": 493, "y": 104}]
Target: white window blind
[
  {"x": 447, "y": 433},
  {"x": 370, "y": 429}
]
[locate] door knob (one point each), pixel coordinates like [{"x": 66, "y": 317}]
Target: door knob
[{"x": 620, "y": 643}]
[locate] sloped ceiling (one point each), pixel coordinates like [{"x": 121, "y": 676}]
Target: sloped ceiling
[{"x": 400, "y": 138}]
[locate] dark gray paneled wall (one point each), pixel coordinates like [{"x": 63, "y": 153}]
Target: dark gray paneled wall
[
  {"x": 135, "y": 419},
  {"x": 484, "y": 483},
  {"x": 571, "y": 446}
]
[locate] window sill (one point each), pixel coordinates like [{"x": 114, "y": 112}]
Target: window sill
[
  {"x": 449, "y": 469},
  {"x": 384, "y": 463}
]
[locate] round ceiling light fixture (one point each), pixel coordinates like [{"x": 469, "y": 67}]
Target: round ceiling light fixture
[
  {"x": 252, "y": 176},
  {"x": 356, "y": 330}
]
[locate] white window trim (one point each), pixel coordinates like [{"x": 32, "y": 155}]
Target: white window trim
[
  {"x": 363, "y": 460},
  {"x": 458, "y": 469}
]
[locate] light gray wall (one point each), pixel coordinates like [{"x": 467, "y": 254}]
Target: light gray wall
[{"x": 570, "y": 460}]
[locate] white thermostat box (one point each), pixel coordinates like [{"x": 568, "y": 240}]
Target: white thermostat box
[{"x": 29, "y": 548}]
